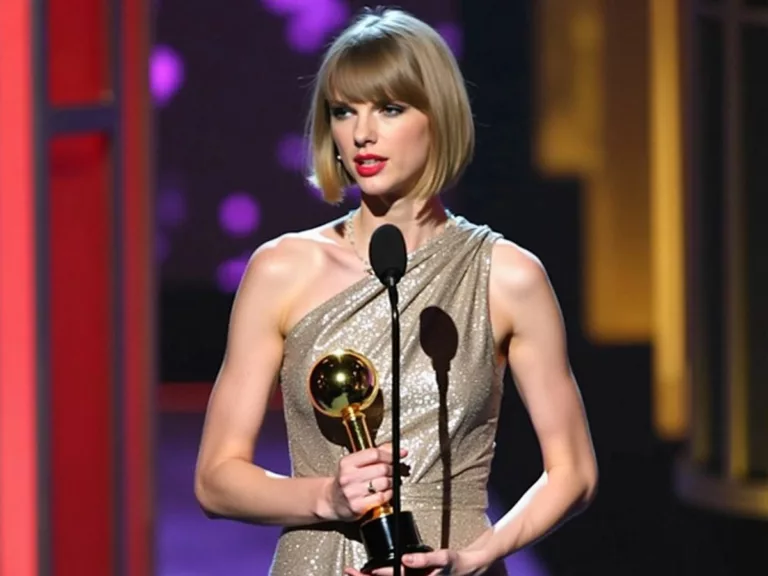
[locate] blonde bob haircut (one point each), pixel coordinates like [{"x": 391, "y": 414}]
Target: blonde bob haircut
[{"x": 390, "y": 56}]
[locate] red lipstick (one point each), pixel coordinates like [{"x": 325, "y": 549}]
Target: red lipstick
[{"x": 368, "y": 165}]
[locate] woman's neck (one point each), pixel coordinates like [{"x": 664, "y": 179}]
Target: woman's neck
[{"x": 418, "y": 220}]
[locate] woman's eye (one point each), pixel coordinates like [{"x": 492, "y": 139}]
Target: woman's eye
[
  {"x": 392, "y": 109},
  {"x": 339, "y": 112}
]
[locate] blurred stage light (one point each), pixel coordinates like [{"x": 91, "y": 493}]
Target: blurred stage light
[
  {"x": 239, "y": 214},
  {"x": 166, "y": 71},
  {"x": 311, "y": 23},
  {"x": 292, "y": 152},
  {"x": 230, "y": 273}
]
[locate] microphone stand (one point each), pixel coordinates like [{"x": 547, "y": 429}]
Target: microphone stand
[{"x": 396, "y": 476}]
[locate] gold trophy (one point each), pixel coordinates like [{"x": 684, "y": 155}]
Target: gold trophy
[{"x": 342, "y": 385}]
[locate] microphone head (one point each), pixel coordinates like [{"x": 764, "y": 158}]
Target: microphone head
[{"x": 387, "y": 255}]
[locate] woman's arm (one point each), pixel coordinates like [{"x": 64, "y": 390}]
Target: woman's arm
[
  {"x": 525, "y": 313},
  {"x": 227, "y": 483}
]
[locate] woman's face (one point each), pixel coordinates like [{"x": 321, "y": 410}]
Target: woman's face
[{"x": 383, "y": 146}]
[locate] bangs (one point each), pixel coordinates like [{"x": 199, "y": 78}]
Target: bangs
[{"x": 377, "y": 71}]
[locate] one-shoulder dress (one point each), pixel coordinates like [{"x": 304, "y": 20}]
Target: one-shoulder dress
[{"x": 450, "y": 389}]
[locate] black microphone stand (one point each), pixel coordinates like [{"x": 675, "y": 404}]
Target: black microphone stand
[
  {"x": 396, "y": 476},
  {"x": 389, "y": 261}
]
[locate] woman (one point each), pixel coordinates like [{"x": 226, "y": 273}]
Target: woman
[{"x": 390, "y": 114}]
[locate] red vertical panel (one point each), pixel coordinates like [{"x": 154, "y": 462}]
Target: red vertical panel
[
  {"x": 78, "y": 63},
  {"x": 18, "y": 413},
  {"x": 81, "y": 356},
  {"x": 81, "y": 323},
  {"x": 138, "y": 289}
]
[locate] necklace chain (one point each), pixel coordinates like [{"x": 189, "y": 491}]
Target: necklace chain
[{"x": 349, "y": 235}]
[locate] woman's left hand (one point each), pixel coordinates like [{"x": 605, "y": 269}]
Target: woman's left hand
[{"x": 437, "y": 563}]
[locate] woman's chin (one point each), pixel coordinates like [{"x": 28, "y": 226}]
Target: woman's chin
[
  {"x": 379, "y": 190},
  {"x": 373, "y": 189}
]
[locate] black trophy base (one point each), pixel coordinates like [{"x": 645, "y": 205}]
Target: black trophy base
[{"x": 379, "y": 541}]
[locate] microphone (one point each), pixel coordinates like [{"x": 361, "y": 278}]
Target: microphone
[{"x": 387, "y": 255}]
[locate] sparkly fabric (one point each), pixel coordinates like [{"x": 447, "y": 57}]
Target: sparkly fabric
[{"x": 451, "y": 388}]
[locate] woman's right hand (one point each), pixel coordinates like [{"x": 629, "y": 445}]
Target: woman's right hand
[{"x": 363, "y": 481}]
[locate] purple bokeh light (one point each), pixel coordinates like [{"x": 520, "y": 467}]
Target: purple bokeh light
[
  {"x": 230, "y": 272},
  {"x": 310, "y": 22},
  {"x": 309, "y": 31},
  {"x": 239, "y": 214},
  {"x": 292, "y": 152},
  {"x": 453, "y": 36},
  {"x": 166, "y": 74}
]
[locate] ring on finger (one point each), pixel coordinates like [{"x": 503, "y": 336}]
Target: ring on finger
[{"x": 371, "y": 489}]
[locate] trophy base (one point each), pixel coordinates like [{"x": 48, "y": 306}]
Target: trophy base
[{"x": 379, "y": 541}]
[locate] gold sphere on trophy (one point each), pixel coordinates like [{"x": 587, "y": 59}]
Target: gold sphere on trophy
[{"x": 342, "y": 385}]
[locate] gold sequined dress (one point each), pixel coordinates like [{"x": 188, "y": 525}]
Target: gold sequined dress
[{"x": 451, "y": 388}]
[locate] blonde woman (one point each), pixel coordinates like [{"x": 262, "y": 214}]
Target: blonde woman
[{"x": 390, "y": 114}]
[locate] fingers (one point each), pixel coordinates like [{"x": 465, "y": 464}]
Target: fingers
[
  {"x": 371, "y": 494},
  {"x": 373, "y": 455},
  {"x": 349, "y": 473},
  {"x": 358, "y": 469},
  {"x": 438, "y": 558},
  {"x": 357, "y": 482},
  {"x": 364, "y": 481},
  {"x": 374, "y": 500},
  {"x": 366, "y": 488},
  {"x": 379, "y": 484}
]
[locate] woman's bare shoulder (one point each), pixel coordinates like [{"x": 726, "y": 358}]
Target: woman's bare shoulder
[
  {"x": 520, "y": 292},
  {"x": 516, "y": 269},
  {"x": 291, "y": 256}
]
